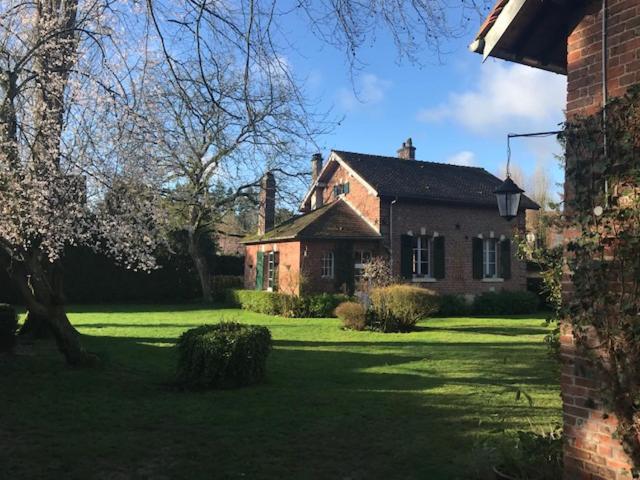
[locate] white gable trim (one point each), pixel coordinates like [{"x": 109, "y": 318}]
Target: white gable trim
[{"x": 334, "y": 157}]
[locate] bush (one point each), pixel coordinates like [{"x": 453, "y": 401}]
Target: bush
[
  {"x": 275, "y": 303},
  {"x": 324, "y": 304},
  {"x": 353, "y": 315},
  {"x": 533, "y": 456},
  {"x": 453, "y": 306},
  {"x": 505, "y": 303},
  {"x": 258, "y": 301},
  {"x": 8, "y": 326},
  {"x": 225, "y": 355},
  {"x": 397, "y": 308}
]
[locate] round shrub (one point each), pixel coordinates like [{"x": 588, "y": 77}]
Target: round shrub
[
  {"x": 225, "y": 355},
  {"x": 353, "y": 315},
  {"x": 8, "y": 326},
  {"x": 397, "y": 308}
]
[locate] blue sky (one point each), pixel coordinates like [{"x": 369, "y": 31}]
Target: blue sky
[{"x": 456, "y": 110}]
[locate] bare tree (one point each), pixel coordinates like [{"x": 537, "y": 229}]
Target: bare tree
[
  {"x": 539, "y": 186},
  {"x": 221, "y": 105}
]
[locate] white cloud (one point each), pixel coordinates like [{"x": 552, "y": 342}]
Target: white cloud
[
  {"x": 370, "y": 91},
  {"x": 505, "y": 97},
  {"x": 464, "y": 158}
]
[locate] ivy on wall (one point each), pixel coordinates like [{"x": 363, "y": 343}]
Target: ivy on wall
[{"x": 603, "y": 215}]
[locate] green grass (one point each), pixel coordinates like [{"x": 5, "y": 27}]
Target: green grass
[{"x": 337, "y": 404}]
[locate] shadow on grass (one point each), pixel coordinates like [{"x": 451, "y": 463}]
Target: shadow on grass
[{"x": 325, "y": 412}]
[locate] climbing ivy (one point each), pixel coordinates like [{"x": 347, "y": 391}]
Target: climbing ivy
[{"x": 602, "y": 214}]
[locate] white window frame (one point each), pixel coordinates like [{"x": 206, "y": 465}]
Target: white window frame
[
  {"x": 271, "y": 270},
  {"x": 423, "y": 245},
  {"x": 327, "y": 267},
  {"x": 487, "y": 243},
  {"x": 358, "y": 266}
]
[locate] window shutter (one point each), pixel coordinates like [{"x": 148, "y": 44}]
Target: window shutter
[
  {"x": 406, "y": 256},
  {"x": 438, "y": 258},
  {"x": 477, "y": 258},
  {"x": 505, "y": 259},
  {"x": 260, "y": 271}
]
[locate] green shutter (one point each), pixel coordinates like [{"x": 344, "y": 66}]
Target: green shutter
[
  {"x": 505, "y": 259},
  {"x": 260, "y": 271},
  {"x": 477, "y": 258},
  {"x": 438, "y": 258},
  {"x": 406, "y": 256}
]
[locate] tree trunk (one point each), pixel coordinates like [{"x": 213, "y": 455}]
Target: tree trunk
[
  {"x": 202, "y": 267},
  {"x": 41, "y": 288},
  {"x": 35, "y": 327}
]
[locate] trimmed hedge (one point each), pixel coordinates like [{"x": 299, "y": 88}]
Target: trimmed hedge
[
  {"x": 275, "y": 303},
  {"x": 8, "y": 326},
  {"x": 353, "y": 315},
  {"x": 397, "y": 308},
  {"x": 506, "y": 303},
  {"x": 225, "y": 355},
  {"x": 453, "y": 306},
  {"x": 176, "y": 281}
]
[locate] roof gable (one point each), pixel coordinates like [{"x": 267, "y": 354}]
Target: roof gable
[{"x": 335, "y": 220}]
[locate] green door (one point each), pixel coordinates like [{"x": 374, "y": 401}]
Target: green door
[{"x": 260, "y": 271}]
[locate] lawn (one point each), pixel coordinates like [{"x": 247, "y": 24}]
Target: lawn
[{"x": 337, "y": 404}]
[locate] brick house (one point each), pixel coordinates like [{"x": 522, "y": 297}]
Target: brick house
[
  {"x": 437, "y": 224},
  {"x": 597, "y": 45}
]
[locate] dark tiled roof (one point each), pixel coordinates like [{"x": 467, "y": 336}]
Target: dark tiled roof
[
  {"x": 439, "y": 182},
  {"x": 332, "y": 221}
]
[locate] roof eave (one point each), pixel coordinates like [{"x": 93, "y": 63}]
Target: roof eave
[{"x": 512, "y": 32}]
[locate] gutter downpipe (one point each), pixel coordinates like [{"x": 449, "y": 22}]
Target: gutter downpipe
[{"x": 391, "y": 234}]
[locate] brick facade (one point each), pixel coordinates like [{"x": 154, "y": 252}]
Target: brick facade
[
  {"x": 363, "y": 199},
  {"x": 590, "y": 450},
  {"x": 300, "y": 262},
  {"x": 458, "y": 225}
]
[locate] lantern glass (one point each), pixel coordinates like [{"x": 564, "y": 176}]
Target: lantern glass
[{"x": 508, "y": 196}]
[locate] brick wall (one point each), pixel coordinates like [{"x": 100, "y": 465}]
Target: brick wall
[
  {"x": 359, "y": 197},
  {"x": 458, "y": 225},
  {"x": 289, "y": 267},
  {"x": 312, "y": 253},
  {"x": 590, "y": 450}
]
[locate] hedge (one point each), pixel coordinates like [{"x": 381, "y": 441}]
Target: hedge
[
  {"x": 275, "y": 303},
  {"x": 94, "y": 278},
  {"x": 505, "y": 303},
  {"x": 225, "y": 355}
]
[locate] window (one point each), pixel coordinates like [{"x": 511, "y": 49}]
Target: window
[
  {"x": 423, "y": 257},
  {"x": 327, "y": 265},
  {"x": 272, "y": 268},
  {"x": 340, "y": 189},
  {"x": 490, "y": 258},
  {"x": 361, "y": 257}
]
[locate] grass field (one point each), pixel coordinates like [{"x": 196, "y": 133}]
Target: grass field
[{"x": 337, "y": 404}]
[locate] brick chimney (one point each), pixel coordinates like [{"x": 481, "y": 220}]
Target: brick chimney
[
  {"x": 407, "y": 151},
  {"x": 316, "y": 168},
  {"x": 267, "y": 208}
]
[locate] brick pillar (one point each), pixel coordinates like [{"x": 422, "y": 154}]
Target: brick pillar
[{"x": 591, "y": 451}]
